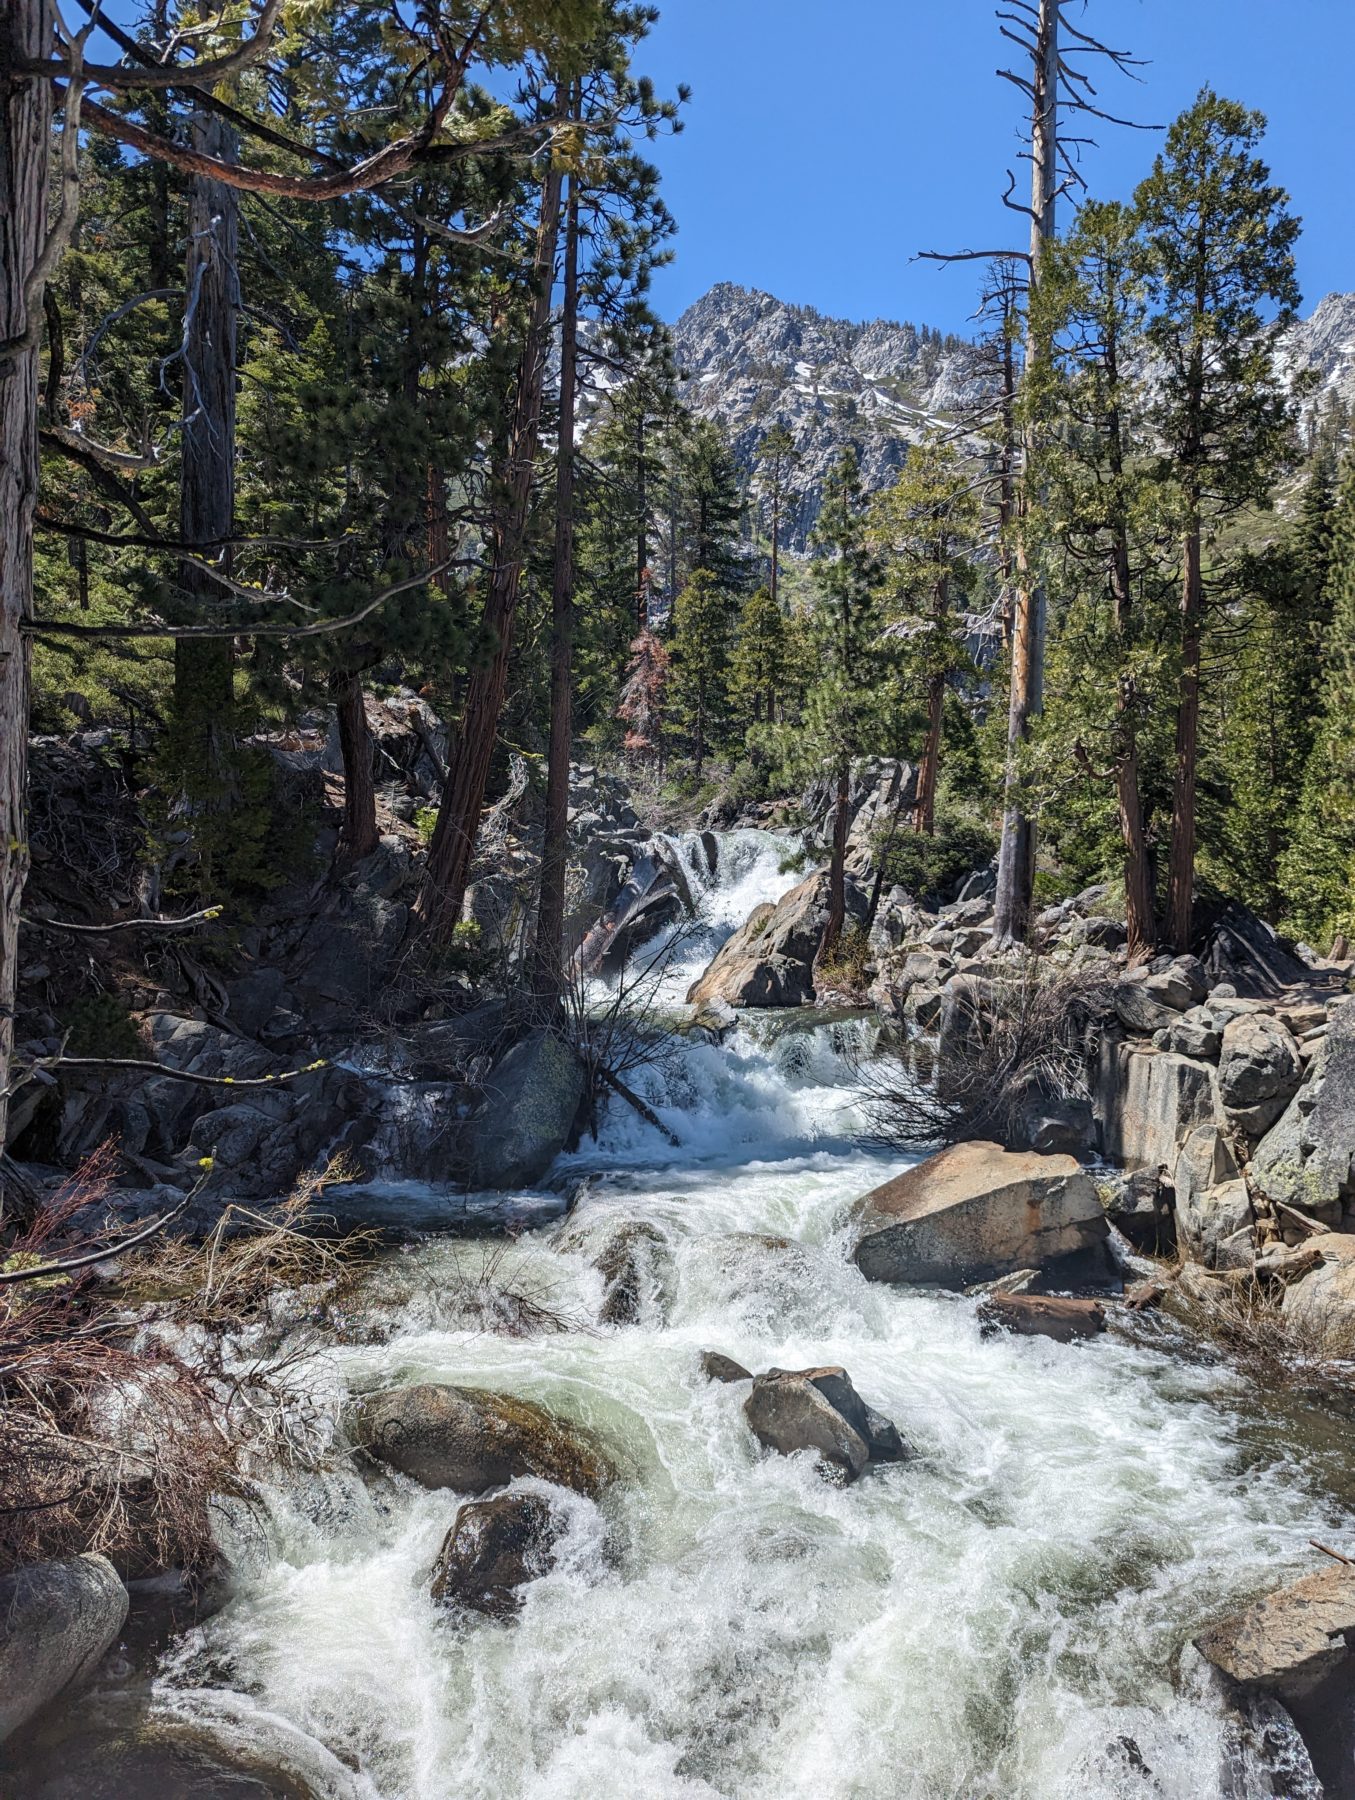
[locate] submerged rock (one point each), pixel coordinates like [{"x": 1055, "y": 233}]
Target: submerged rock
[
  {"x": 56, "y": 1620},
  {"x": 1042, "y": 1315},
  {"x": 716, "y": 1367},
  {"x": 977, "y": 1211},
  {"x": 495, "y": 1547},
  {"x": 472, "y": 1440},
  {"x": 820, "y": 1410},
  {"x": 168, "y": 1760}
]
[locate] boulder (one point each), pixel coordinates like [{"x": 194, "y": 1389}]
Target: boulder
[
  {"x": 1196, "y": 1036},
  {"x": 1320, "y": 1307},
  {"x": 630, "y": 1264},
  {"x": 494, "y": 1548},
  {"x": 1140, "y": 1011},
  {"x": 152, "y": 1758},
  {"x": 1307, "y": 1159},
  {"x": 1140, "y": 1208},
  {"x": 1290, "y": 1643},
  {"x": 532, "y": 1097},
  {"x": 1260, "y": 1070},
  {"x": 471, "y": 1440},
  {"x": 820, "y": 1410},
  {"x": 1146, "y": 1100},
  {"x": 56, "y": 1621},
  {"x": 717, "y": 1367},
  {"x": 769, "y": 961},
  {"x": 1042, "y": 1315},
  {"x": 1211, "y": 1201},
  {"x": 977, "y": 1211}
]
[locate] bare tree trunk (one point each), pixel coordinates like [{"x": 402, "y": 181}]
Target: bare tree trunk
[
  {"x": 25, "y": 126},
  {"x": 1181, "y": 869},
  {"x": 550, "y": 919},
  {"x": 360, "y": 836},
  {"x": 204, "y": 697},
  {"x": 1138, "y": 878},
  {"x": 924, "y": 815},
  {"x": 449, "y": 857},
  {"x": 1016, "y": 859},
  {"x": 837, "y": 868},
  {"x": 776, "y": 535}
]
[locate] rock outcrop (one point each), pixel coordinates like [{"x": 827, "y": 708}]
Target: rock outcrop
[
  {"x": 1291, "y": 1642},
  {"x": 977, "y": 1211},
  {"x": 532, "y": 1097},
  {"x": 471, "y": 1440},
  {"x": 769, "y": 961},
  {"x": 56, "y": 1621}
]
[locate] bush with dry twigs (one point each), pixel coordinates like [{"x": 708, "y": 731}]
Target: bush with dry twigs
[
  {"x": 132, "y": 1397},
  {"x": 1020, "y": 1033}
]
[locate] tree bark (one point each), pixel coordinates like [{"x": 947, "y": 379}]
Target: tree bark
[
  {"x": 550, "y": 919},
  {"x": 1016, "y": 859},
  {"x": 449, "y": 856},
  {"x": 1181, "y": 869},
  {"x": 837, "y": 868},
  {"x": 204, "y": 679},
  {"x": 360, "y": 836},
  {"x": 924, "y": 816},
  {"x": 25, "y": 120}
]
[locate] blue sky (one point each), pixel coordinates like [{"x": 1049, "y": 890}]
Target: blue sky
[{"x": 826, "y": 144}]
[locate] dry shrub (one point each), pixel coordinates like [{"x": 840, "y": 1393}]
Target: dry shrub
[
  {"x": 121, "y": 1421},
  {"x": 1020, "y": 1033},
  {"x": 1311, "y": 1348},
  {"x": 511, "y": 1302}
]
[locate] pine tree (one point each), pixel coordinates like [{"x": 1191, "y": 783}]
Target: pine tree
[
  {"x": 758, "y": 670},
  {"x": 1318, "y": 870},
  {"x": 703, "y": 629},
  {"x": 1219, "y": 254}
]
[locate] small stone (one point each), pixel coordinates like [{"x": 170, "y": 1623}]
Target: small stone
[{"x": 717, "y": 1367}]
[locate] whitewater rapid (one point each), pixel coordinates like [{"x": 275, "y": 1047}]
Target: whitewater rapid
[{"x": 1004, "y": 1615}]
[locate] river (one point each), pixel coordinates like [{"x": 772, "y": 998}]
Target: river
[{"x": 1003, "y": 1615}]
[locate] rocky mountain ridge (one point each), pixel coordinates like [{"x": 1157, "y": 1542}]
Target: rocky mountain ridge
[{"x": 751, "y": 360}]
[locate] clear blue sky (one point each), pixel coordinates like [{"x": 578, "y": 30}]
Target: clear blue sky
[{"x": 824, "y": 145}]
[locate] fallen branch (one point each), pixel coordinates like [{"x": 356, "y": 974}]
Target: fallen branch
[
  {"x": 646, "y": 1112},
  {"x": 93, "y": 1256},
  {"x": 147, "y": 1067},
  {"x": 1335, "y": 1555},
  {"x": 197, "y": 918}
]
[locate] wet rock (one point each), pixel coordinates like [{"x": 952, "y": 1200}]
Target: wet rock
[
  {"x": 717, "y": 1367},
  {"x": 977, "y": 1211},
  {"x": 1139, "y": 1207},
  {"x": 1289, "y": 1643},
  {"x": 1042, "y": 1315},
  {"x": 494, "y": 1548},
  {"x": 629, "y": 1263},
  {"x": 170, "y": 1760},
  {"x": 1260, "y": 1070},
  {"x": 1059, "y": 1127},
  {"x": 56, "y": 1621},
  {"x": 472, "y": 1440},
  {"x": 769, "y": 961},
  {"x": 532, "y": 1097},
  {"x": 820, "y": 1410}
]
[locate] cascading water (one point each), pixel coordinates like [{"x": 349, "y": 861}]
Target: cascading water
[{"x": 1001, "y": 1616}]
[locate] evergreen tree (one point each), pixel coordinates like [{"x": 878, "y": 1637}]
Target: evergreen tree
[
  {"x": 700, "y": 650},
  {"x": 1219, "y": 254},
  {"x": 758, "y": 671},
  {"x": 1318, "y": 869}
]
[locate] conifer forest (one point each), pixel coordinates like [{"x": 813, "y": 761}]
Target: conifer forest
[{"x": 677, "y": 1065}]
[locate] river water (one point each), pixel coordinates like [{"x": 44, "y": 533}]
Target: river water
[{"x": 1001, "y": 1616}]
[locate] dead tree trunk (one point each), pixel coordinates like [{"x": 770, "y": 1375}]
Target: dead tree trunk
[
  {"x": 1016, "y": 859},
  {"x": 449, "y": 857},
  {"x": 924, "y": 815},
  {"x": 204, "y": 679},
  {"x": 25, "y": 122},
  {"x": 550, "y": 920}
]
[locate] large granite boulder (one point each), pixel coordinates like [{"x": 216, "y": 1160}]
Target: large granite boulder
[
  {"x": 494, "y": 1548},
  {"x": 532, "y": 1098},
  {"x": 1260, "y": 1070},
  {"x": 1308, "y": 1158},
  {"x": 1290, "y": 1643},
  {"x": 819, "y": 1410},
  {"x": 471, "y": 1440},
  {"x": 56, "y": 1621},
  {"x": 769, "y": 961},
  {"x": 1319, "y": 1308},
  {"x": 1212, "y": 1204},
  {"x": 976, "y": 1212},
  {"x": 1147, "y": 1100}
]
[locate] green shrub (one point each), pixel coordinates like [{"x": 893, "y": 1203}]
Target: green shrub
[{"x": 100, "y": 1025}]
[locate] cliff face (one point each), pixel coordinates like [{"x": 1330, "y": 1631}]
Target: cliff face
[{"x": 750, "y": 360}]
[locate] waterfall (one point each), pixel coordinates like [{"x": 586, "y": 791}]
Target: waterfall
[{"x": 1001, "y": 1616}]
